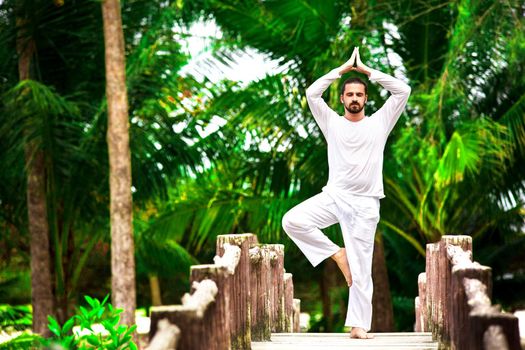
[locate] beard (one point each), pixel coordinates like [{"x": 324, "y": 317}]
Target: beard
[{"x": 354, "y": 108}]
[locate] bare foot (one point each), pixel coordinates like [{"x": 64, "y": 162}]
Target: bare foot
[
  {"x": 342, "y": 261},
  {"x": 360, "y": 333}
]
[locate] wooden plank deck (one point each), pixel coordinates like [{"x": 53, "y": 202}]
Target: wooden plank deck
[{"x": 341, "y": 341}]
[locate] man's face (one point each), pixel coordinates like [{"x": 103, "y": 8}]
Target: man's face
[{"x": 354, "y": 97}]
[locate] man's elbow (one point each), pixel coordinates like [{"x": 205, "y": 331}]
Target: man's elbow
[
  {"x": 311, "y": 94},
  {"x": 407, "y": 90}
]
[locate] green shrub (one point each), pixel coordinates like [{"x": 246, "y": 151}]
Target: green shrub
[
  {"x": 15, "y": 318},
  {"x": 111, "y": 336}
]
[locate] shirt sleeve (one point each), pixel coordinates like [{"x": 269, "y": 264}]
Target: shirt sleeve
[
  {"x": 389, "y": 113},
  {"x": 318, "y": 106}
]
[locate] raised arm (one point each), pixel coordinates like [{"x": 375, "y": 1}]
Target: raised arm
[
  {"x": 394, "y": 106},
  {"x": 320, "y": 110}
]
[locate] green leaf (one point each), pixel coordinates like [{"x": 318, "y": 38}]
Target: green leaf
[
  {"x": 89, "y": 300},
  {"x": 93, "y": 340},
  {"x": 84, "y": 312},
  {"x": 101, "y": 310},
  {"x": 68, "y": 341},
  {"x": 68, "y": 326},
  {"x": 105, "y": 299},
  {"x": 53, "y": 326},
  {"x": 115, "y": 338}
]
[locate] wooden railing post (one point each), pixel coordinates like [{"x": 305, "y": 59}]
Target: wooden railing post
[
  {"x": 277, "y": 291},
  {"x": 296, "y": 315},
  {"x": 494, "y": 339},
  {"x": 458, "y": 292},
  {"x": 445, "y": 271},
  {"x": 463, "y": 267},
  {"x": 221, "y": 273},
  {"x": 260, "y": 293},
  {"x": 417, "y": 308},
  {"x": 244, "y": 294},
  {"x": 504, "y": 327},
  {"x": 221, "y": 318},
  {"x": 483, "y": 315},
  {"x": 166, "y": 337},
  {"x": 240, "y": 315},
  {"x": 288, "y": 303},
  {"x": 421, "y": 304},
  {"x": 431, "y": 287},
  {"x": 191, "y": 317}
]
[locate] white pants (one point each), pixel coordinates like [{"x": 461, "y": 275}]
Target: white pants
[{"x": 358, "y": 217}]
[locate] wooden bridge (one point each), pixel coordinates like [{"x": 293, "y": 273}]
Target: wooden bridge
[
  {"x": 341, "y": 341},
  {"x": 244, "y": 300}
]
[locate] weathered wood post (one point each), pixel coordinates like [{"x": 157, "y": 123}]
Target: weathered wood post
[
  {"x": 260, "y": 293},
  {"x": 494, "y": 339},
  {"x": 288, "y": 303},
  {"x": 191, "y": 318},
  {"x": 221, "y": 273},
  {"x": 458, "y": 292},
  {"x": 417, "y": 308},
  {"x": 226, "y": 300},
  {"x": 421, "y": 304},
  {"x": 444, "y": 282},
  {"x": 483, "y": 315},
  {"x": 432, "y": 277},
  {"x": 296, "y": 315},
  {"x": 240, "y": 315},
  {"x": 277, "y": 291},
  {"x": 166, "y": 337},
  {"x": 462, "y": 267}
]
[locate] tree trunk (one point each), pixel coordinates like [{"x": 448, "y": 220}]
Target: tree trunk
[
  {"x": 122, "y": 246},
  {"x": 154, "y": 285},
  {"x": 42, "y": 298},
  {"x": 383, "y": 314},
  {"x": 41, "y": 285}
]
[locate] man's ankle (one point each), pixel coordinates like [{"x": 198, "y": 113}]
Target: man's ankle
[{"x": 337, "y": 253}]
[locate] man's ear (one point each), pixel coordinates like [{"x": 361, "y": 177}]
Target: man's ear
[{"x": 341, "y": 99}]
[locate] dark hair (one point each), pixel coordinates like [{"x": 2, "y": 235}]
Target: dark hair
[{"x": 354, "y": 80}]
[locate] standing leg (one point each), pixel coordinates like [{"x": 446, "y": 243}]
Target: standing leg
[
  {"x": 303, "y": 223},
  {"x": 358, "y": 223}
]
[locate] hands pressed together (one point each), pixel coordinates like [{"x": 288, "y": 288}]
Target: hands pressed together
[{"x": 354, "y": 63}]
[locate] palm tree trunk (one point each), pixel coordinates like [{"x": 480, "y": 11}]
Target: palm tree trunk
[
  {"x": 154, "y": 284},
  {"x": 383, "y": 313},
  {"x": 41, "y": 286},
  {"x": 42, "y": 298},
  {"x": 122, "y": 246}
]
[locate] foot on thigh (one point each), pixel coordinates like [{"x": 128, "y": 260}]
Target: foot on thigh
[
  {"x": 342, "y": 261},
  {"x": 360, "y": 333}
]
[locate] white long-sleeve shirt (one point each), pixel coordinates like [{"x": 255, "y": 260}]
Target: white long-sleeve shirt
[{"x": 355, "y": 149}]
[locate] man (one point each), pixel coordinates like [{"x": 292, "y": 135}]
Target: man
[{"x": 355, "y": 183}]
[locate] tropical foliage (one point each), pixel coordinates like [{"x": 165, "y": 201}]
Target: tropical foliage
[
  {"x": 93, "y": 327},
  {"x": 108, "y": 335}
]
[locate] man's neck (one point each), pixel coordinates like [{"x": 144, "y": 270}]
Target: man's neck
[{"x": 354, "y": 117}]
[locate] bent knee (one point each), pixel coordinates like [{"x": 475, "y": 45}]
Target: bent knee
[
  {"x": 286, "y": 222},
  {"x": 293, "y": 224}
]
